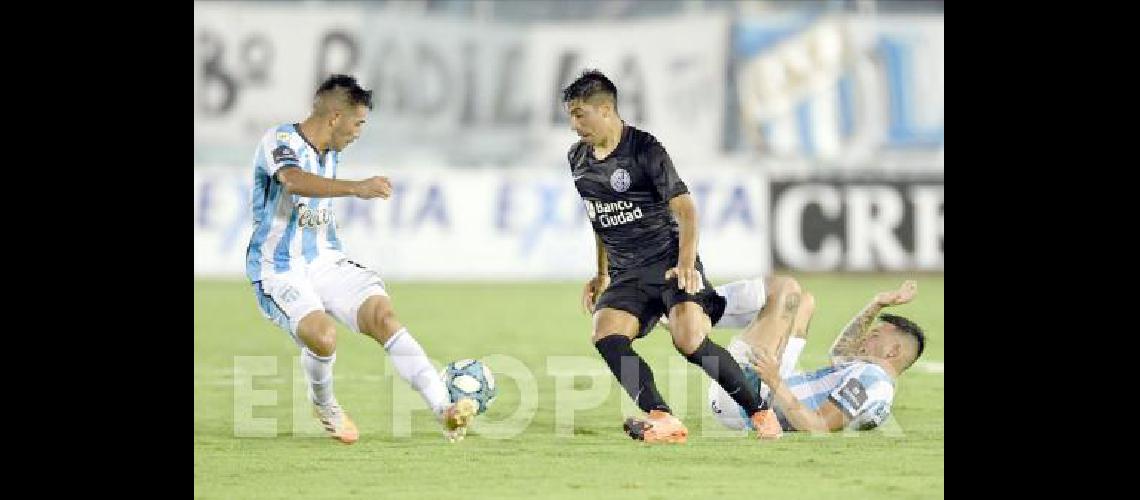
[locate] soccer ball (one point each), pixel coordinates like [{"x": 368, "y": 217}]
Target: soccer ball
[{"x": 471, "y": 379}]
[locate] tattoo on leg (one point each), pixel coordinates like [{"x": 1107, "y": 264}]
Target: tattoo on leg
[{"x": 791, "y": 305}]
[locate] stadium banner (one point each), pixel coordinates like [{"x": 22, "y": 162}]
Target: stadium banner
[
  {"x": 868, "y": 223},
  {"x": 257, "y": 65},
  {"x": 841, "y": 88},
  {"x": 495, "y": 224},
  {"x": 451, "y": 91}
]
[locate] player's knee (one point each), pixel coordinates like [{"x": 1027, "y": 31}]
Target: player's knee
[
  {"x": 788, "y": 286},
  {"x": 687, "y": 331},
  {"x": 377, "y": 319},
  {"x": 687, "y": 316},
  {"x": 388, "y": 322},
  {"x": 772, "y": 285},
  {"x": 384, "y": 324},
  {"x": 318, "y": 332},
  {"x": 687, "y": 340},
  {"x": 688, "y": 344},
  {"x": 323, "y": 340}
]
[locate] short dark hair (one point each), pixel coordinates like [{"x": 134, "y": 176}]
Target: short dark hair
[
  {"x": 591, "y": 83},
  {"x": 910, "y": 328},
  {"x": 354, "y": 94}
]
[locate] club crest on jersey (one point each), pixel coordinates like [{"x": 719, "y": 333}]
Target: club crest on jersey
[
  {"x": 620, "y": 180},
  {"x": 284, "y": 153},
  {"x": 307, "y": 217}
]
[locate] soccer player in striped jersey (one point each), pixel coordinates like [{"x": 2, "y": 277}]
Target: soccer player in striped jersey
[
  {"x": 302, "y": 278},
  {"x": 854, "y": 392}
]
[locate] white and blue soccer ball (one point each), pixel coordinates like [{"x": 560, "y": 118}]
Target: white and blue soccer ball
[{"x": 471, "y": 379}]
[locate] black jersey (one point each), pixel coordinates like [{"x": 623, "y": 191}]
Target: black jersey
[{"x": 627, "y": 199}]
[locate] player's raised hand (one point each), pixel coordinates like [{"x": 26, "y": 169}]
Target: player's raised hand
[
  {"x": 373, "y": 187},
  {"x": 688, "y": 278},
  {"x": 766, "y": 364},
  {"x": 904, "y": 294},
  {"x": 593, "y": 290}
]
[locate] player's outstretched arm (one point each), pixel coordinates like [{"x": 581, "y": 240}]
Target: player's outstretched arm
[
  {"x": 827, "y": 419},
  {"x": 848, "y": 340},
  {"x": 297, "y": 181}
]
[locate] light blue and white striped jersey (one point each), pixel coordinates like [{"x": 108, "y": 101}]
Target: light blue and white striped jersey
[
  {"x": 288, "y": 227},
  {"x": 862, "y": 390}
]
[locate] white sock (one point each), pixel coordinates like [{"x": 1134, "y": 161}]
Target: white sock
[
  {"x": 318, "y": 370},
  {"x": 791, "y": 356},
  {"x": 413, "y": 366}
]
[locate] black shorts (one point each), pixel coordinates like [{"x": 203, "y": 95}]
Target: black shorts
[{"x": 645, "y": 294}]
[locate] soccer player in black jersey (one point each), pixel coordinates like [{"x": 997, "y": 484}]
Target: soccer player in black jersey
[{"x": 645, "y": 225}]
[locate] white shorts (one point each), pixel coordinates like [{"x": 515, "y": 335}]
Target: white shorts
[
  {"x": 333, "y": 284},
  {"x": 743, "y": 301}
]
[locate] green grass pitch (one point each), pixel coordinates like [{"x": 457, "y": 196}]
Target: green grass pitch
[{"x": 244, "y": 373}]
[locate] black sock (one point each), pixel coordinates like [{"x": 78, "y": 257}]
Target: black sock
[
  {"x": 639, "y": 385},
  {"x": 721, "y": 367}
]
